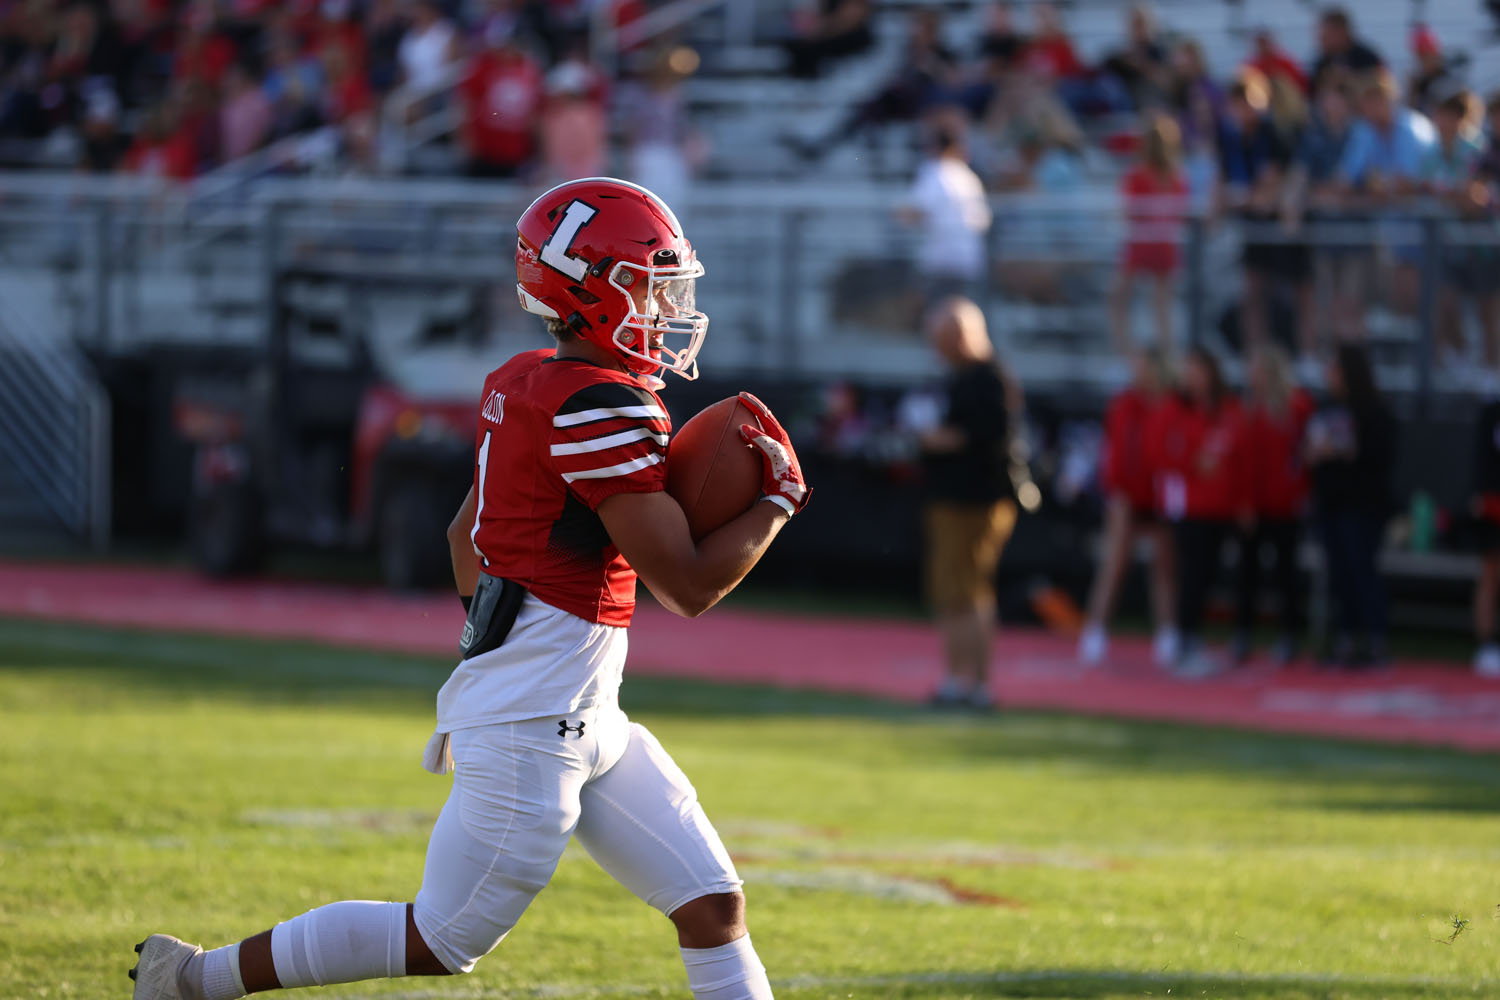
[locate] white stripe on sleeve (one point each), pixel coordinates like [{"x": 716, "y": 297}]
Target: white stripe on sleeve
[
  {"x": 610, "y": 471},
  {"x": 609, "y": 441},
  {"x": 606, "y": 412}
]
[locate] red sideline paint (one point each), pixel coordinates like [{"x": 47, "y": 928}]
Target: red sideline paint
[{"x": 1411, "y": 703}]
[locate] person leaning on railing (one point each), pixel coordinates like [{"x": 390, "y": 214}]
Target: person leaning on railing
[
  {"x": 1381, "y": 170},
  {"x": 1470, "y": 270},
  {"x": 1314, "y": 193},
  {"x": 1255, "y": 156}
]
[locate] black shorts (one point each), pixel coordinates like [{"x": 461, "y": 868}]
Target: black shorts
[
  {"x": 1283, "y": 261},
  {"x": 1473, "y": 271}
]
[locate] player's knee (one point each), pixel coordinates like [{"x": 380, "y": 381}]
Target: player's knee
[
  {"x": 710, "y": 921},
  {"x": 448, "y": 947},
  {"x": 420, "y": 960}
]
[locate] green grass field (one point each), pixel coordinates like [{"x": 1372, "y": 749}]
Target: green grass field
[{"x": 210, "y": 787}]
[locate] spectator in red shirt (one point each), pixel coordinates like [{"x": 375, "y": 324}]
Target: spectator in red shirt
[
  {"x": 502, "y": 95},
  {"x": 574, "y": 132},
  {"x": 1275, "y": 421},
  {"x": 1155, "y": 193},
  {"x": 1050, "y": 51},
  {"x": 1201, "y": 488},
  {"x": 198, "y": 121},
  {"x": 161, "y": 149},
  {"x": 204, "y": 54},
  {"x": 1273, "y": 61},
  {"x": 1130, "y": 512},
  {"x": 336, "y": 27},
  {"x": 346, "y": 93}
]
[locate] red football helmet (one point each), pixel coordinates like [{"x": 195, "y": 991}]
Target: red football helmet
[{"x": 608, "y": 258}]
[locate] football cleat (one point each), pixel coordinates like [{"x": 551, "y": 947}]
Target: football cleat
[{"x": 156, "y": 973}]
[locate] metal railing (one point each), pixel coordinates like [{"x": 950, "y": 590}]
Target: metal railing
[
  {"x": 407, "y": 127},
  {"x": 820, "y": 281},
  {"x": 606, "y": 42},
  {"x": 54, "y": 426}
]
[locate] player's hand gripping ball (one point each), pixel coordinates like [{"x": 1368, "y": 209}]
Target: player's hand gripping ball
[
  {"x": 782, "y": 481},
  {"x": 726, "y": 459}
]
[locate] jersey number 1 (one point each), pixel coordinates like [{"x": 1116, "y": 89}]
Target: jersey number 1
[
  {"x": 482, "y": 461},
  {"x": 555, "y": 251}
]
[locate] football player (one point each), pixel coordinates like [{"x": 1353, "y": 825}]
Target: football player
[{"x": 567, "y": 507}]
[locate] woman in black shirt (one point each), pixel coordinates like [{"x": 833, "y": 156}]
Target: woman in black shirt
[{"x": 1351, "y": 450}]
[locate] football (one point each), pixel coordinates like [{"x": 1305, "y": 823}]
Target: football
[{"x": 711, "y": 471}]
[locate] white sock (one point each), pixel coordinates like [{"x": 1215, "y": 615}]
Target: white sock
[
  {"x": 221, "y": 973},
  {"x": 341, "y": 943},
  {"x": 729, "y": 972}
]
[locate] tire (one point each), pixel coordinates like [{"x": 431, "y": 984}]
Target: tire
[
  {"x": 224, "y": 531},
  {"x": 411, "y": 538}
]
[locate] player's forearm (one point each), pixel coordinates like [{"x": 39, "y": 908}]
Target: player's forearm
[
  {"x": 461, "y": 548},
  {"x": 465, "y": 566},
  {"x": 722, "y": 559}
]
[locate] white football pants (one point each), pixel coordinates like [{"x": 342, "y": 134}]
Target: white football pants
[{"x": 521, "y": 789}]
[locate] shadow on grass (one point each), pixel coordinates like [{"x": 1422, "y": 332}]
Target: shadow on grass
[
  {"x": 1073, "y": 984},
  {"x": 1470, "y": 800},
  {"x": 89, "y": 662}
]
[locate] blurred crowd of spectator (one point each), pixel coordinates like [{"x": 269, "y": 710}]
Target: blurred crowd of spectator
[
  {"x": 174, "y": 89},
  {"x": 1314, "y": 159},
  {"x": 1311, "y": 157}
]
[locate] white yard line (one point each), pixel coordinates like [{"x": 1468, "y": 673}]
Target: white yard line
[{"x": 273, "y": 826}]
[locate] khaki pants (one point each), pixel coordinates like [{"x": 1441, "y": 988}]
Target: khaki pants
[{"x": 964, "y": 542}]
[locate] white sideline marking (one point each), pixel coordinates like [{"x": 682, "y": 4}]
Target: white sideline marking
[
  {"x": 855, "y": 881},
  {"x": 375, "y": 820},
  {"x": 561, "y": 991},
  {"x": 275, "y": 827}
]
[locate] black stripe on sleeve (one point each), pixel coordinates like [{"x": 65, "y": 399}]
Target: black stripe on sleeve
[{"x": 607, "y": 395}]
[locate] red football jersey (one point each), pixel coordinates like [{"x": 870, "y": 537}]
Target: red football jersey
[{"x": 557, "y": 437}]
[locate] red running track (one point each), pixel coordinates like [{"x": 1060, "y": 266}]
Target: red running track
[{"x": 1411, "y": 703}]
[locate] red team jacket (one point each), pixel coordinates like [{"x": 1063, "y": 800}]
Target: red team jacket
[
  {"x": 1200, "y": 462},
  {"x": 1273, "y": 444},
  {"x": 556, "y": 438},
  {"x": 1127, "y": 468}
]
